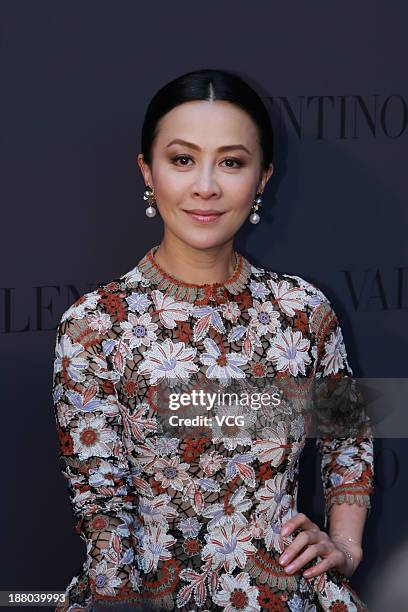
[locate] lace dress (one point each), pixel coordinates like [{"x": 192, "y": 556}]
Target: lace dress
[{"x": 193, "y": 523}]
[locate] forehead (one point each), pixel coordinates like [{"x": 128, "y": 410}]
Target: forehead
[{"x": 209, "y": 124}]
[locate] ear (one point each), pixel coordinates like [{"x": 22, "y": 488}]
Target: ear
[
  {"x": 265, "y": 176},
  {"x": 145, "y": 170}
]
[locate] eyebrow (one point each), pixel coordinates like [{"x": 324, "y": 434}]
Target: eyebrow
[{"x": 197, "y": 148}]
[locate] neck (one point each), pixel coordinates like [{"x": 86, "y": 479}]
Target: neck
[{"x": 194, "y": 265}]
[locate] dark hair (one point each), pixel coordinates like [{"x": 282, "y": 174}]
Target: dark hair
[{"x": 207, "y": 84}]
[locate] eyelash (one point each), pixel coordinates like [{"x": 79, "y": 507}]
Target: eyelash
[{"x": 177, "y": 157}]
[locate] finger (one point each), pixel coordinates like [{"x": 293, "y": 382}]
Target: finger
[
  {"x": 303, "y": 539},
  {"x": 299, "y": 520},
  {"x": 320, "y": 567},
  {"x": 310, "y": 553}
]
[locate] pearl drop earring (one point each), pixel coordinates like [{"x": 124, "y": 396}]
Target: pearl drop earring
[
  {"x": 254, "y": 217},
  {"x": 149, "y": 196}
]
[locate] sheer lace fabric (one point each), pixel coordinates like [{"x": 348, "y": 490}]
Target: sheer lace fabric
[{"x": 194, "y": 524}]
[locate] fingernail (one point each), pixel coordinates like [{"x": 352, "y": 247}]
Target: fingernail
[
  {"x": 283, "y": 559},
  {"x": 290, "y": 567}
]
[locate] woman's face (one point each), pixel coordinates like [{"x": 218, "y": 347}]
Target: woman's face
[{"x": 217, "y": 167}]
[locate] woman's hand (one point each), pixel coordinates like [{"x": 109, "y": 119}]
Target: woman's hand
[{"x": 313, "y": 542}]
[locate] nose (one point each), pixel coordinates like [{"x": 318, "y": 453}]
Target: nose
[{"x": 205, "y": 184}]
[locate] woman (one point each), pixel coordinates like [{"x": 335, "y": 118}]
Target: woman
[{"x": 207, "y": 522}]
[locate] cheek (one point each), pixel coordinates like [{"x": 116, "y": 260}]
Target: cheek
[
  {"x": 170, "y": 194},
  {"x": 242, "y": 189},
  {"x": 173, "y": 188},
  {"x": 169, "y": 185},
  {"x": 241, "y": 212},
  {"x": 242, "y": 197}
]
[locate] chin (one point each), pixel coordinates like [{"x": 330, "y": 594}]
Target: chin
[{"x": 205, "y": 240}]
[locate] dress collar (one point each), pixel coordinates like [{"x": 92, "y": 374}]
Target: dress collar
[{"x": 190, "y": 292}]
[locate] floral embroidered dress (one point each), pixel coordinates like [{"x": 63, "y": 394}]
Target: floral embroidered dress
[{"x": 194, "y": 524}]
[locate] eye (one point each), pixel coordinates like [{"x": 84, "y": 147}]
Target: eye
[
  {"x": 187, "y": 157},
  {"x": 232, "y": 159},
  {"x": 174, "y": 159}
]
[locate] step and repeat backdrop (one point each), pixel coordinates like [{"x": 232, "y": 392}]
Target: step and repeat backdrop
[{"x": 76, "y": 79}]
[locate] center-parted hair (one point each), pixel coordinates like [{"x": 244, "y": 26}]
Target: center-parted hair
[{"x": 208, "y": 84}]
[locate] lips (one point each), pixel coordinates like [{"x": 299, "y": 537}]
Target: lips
[
  {"x": 202, "y": 211},
  {"x": 204, "y": 216}
]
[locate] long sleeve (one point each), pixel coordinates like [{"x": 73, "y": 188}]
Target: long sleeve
[
  {"x": 344, "y": 435},
  {"x": 90, "y": 431}
]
